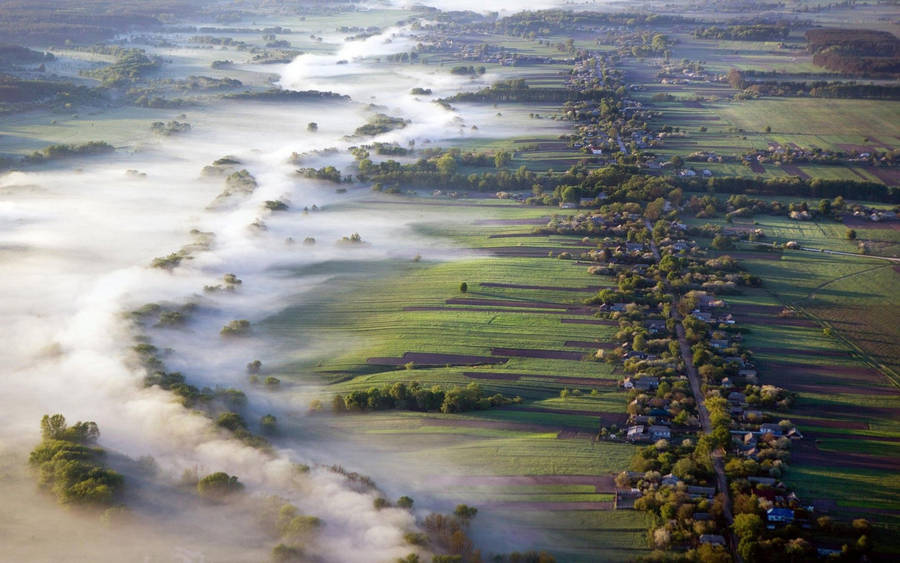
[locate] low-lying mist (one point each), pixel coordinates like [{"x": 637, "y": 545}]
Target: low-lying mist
[{"x": 76, "y": 243}]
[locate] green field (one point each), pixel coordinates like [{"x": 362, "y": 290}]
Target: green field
[{"x": 367, "y": 311}]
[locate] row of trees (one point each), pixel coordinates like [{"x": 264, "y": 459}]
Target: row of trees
[
  {"x": 413, "y": 397},
  {"x": 793, "y": 186},
  {"x": 855, "y": 51},
  {"x": 755, "y": 32},
  {"x": 747, "y": 81}
]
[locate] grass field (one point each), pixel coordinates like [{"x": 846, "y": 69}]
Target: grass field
[
  {"x": 545, "y": 436},
  {"x": 847, "y": 410}
]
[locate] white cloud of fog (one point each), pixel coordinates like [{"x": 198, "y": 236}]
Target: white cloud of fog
[
  {"x": 74, "y": 250},
  {"x": 504, "y": 7}
]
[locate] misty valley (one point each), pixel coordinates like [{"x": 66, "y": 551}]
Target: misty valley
[{"x": 388, "y": 281}]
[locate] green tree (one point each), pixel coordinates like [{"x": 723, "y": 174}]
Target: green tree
[
  {"x": 502, "y": 159},
  {"x": 218, "y": 485},
  {"x": 465, "y": 512},
  {"x": 571, "y": 194},
  {"x": 747, "y": 525},
  {"x": 722, "y": 242},
  {"x": 463, "y": 287},
  {"x": 446, "y": 165}
]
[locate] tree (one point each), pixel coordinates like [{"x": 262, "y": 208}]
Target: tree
[
  {"x": 709, "y": 553},
  {"x": 71, "y": 469},
  {"x": 465, "y": 512},
  {"x": 861, "y": 526},
  {"x": 851, "y": 234},
  {"x": 502, "y": 159},
  {"x": 53, "y": 427},
  {"x": 231, "y": 421},
  {"x": 639, "y": 343},
  {"x": 677, "y": 161},
  {"x": 268, "y": 423},
  {"x": 218, "y": 485},
  {"x": 282, "y": 553},
  {"x": 571, "y": 194},
  {"x": 463, "y": 287},
  {"x": 721, "y": 242},
  {"x": 747, "y": 525},
  {"x": 405, "y": 502},
  {"x": 446, "y": 165},
  {"x": 312, "y": 126},
  {"x": 654, "y": 209},
  {"x": 748, "y": 549}
]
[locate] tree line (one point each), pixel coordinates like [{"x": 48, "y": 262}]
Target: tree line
[
  {"x": 413, "y": 397},
  {"x": 756, "y": 32},
  {"x": 813, "y": 89}
]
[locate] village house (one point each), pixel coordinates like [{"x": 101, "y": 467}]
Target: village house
[
  {"x": 736, "y": 360},
  {"x": 704, "y": 492},
  {"x": 770, "y": 428},
  {"x": 670, "y": 480},
  {"x": 636, "y": 434},
  {"x": 681, "y": 246},
  {"x": 712, "y": 539},
  {"x": 642, "y": 384},
  {"x": 634, "y": 246},
  {"x": 780, "y": 515},
  {"x": 737, "y": 398},
  {"x": 658, "y": 432},
  {"x": 702, "y": 316}
]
